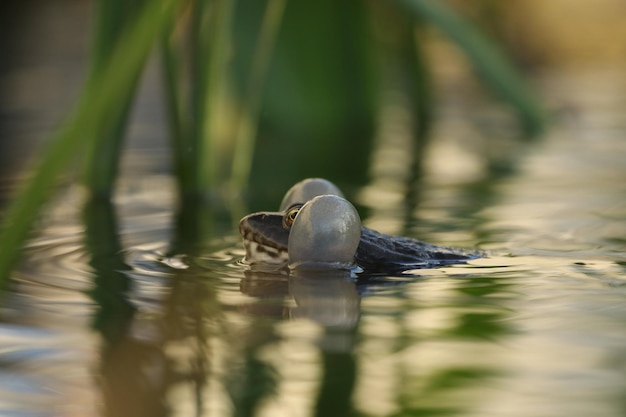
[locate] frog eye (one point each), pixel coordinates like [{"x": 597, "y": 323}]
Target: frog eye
[{"x": 290, "y": 215}]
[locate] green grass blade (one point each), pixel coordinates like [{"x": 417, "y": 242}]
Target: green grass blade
[
  {"x": 98, "y": 101},
  {"x": 176, "y": 111},
  {"x": 199, "y": 62},
  {"x": 113, "y": 17},
  {"x": 487, "y": 59},
  {"x": 249, "y": 118},
  {"x": 420, "y": 88},
  {"x": 210, "y": 38},
  {"x": 220, "y": 38}
]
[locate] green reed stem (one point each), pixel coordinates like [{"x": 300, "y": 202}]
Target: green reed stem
[
  {"x": 421, "y": 95},
  {"x": 194, "y": 98},
  {"x": 99, "y": 100},
  {"x": 217, "y": 79},
  {"x": 249, "y": 117},
  {"x": 199, "y": 131},
  {"x": 489, "y": 62},
  {"x": 113, "y": 17},
  {"x": 420, "y": 88},
  {"x": 174, "y": 101}
]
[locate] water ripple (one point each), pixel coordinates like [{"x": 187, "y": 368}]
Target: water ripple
[{"x": 43, "y": 372}]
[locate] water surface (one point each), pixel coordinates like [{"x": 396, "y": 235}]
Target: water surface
[{"x": 114, "y": 312}]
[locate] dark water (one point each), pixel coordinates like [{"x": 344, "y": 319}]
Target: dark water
[{"x": 108, "y": 316}]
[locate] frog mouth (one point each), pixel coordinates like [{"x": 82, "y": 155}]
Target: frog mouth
[
  {"x": 264, "y": 238},
  {"x": 257, "y": 252}
]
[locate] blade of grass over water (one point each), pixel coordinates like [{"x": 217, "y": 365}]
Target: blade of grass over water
[
  {"x": 420, "y": 89},
  {"x": 421, "y": 97},
  {"x": 210, "y": 162},
  {"x": 199, "y": 60},
  {"x": 113, "y": 17},
  {"x": 487, "y": 59},
  {"x": 249, "y": 115},
  {"x": 99, "y": 101},
  {"x": 195, "y": 68},
  {"x": 174, "y": 99},
  {"x": 184, "y": 55}
]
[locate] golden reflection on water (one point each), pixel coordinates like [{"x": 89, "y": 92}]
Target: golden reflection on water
[
  {"x": 36, "y": 375},
  {"x": 297, "y": 362}
]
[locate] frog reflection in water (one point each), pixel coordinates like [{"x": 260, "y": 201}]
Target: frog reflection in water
[{"x": 318, "y": 228}]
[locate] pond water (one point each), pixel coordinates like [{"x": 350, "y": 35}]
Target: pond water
[{"x": 110, "y": 315}]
